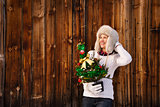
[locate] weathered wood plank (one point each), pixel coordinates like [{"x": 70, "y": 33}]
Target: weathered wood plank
[
  {"x": 154, "y": 43},
  {"x": 90, "y": 36},
  {"x": 126, "y": 38},
  {"x": 13, "y": 53},
  {"x": 96, "y": 19},
  {"x": 76, "y": 38},
  {"x": 58, "y": 53},
  {"x": 50, "y": 51},
  {"x": 118, "y": 78},
  {"x": 38, "y": 54},
  {"x": 83, "y": 27},
  {"x": 137, "y": 6},
  {"x": 144, "y": 20},
  {"x": 26, "y": 46},
  {"x": 1, "y": 26},
  {"x": 66, "y": 52},
  {"x": 129, "y": 47},
  {"x": 100, "y": 13},
  {"x": 122, "y": 70},
  {"x": 2, "y": 29},
  {"x": 148, "y": 62},
  {"x": 1, "y": 44},
  {"x": 108, "y": 12}
]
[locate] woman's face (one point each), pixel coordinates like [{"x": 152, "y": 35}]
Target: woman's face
[{"x": 103, "y": 40}]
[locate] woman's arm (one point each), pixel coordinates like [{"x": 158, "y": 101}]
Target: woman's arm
[{"x": 124, "y": 57}]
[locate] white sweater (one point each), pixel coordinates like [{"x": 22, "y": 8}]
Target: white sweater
[{"x": 113, "y": 62}]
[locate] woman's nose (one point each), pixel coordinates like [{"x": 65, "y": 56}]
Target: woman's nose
[{"x": 102, "y": 39}]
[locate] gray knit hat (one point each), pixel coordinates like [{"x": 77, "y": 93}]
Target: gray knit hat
[{"x": 112, "y": 39}]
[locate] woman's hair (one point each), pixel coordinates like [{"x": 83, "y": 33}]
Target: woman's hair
[{"x": 112, "y": 38}]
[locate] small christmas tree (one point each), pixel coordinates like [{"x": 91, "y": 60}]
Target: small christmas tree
[{"x": 88, "y": 70}]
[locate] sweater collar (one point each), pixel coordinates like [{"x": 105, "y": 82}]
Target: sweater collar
[{"x": 102, "y": 53}]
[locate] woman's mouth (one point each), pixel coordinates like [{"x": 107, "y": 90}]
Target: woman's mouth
[{"x": 102, "y": 43}]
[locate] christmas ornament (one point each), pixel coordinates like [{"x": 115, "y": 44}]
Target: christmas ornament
[{"x": 88, "y": 70}]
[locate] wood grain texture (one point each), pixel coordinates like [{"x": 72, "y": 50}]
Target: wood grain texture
[
  {"x": 50, "y": 51},
  {"x": 2, "y": 59},
  {"x": 13, "y": 53},
  {"x": 38, "y": 54},
  {"x": 1, "y": 45},
  {"x": 58, "y": 53},
  {"x": 90, "y": 36},
  {"x": 26, "y": 55},
  {"x": 66, "y": 52},
  {"x": 76, "y": 38},
  {"x": 154, "y": 51},
  {"x": 40, "y": 43}
]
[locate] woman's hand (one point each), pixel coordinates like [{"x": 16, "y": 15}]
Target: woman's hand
[
  {"x": 91, "y": 54},
  {"x": 95, "y": 89},
  {"x": 116, "y": 45}
]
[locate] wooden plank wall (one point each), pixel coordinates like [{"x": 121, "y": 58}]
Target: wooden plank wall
[
  {"x": 2, "y": 32},
  {"x": 39, "y": 39}
]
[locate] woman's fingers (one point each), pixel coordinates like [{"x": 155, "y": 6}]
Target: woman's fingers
[{"x": 97, "y": 87}]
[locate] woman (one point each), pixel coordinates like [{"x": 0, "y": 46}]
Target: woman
[{"x": 112, "y": 55}]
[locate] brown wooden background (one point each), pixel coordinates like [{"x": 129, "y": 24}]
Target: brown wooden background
[{"x": 38, "y": 41}]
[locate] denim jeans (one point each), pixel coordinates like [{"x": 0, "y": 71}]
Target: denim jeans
[{"x": 96, "y": 102}]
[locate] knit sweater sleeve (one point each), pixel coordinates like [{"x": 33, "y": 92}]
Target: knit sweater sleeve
[{"x": 124, "y": 57}]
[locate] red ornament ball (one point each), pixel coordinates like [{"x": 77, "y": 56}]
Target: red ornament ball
[
  {"x": 78, "y": 64},
  {"x": 100, "y": 66},
  {"x": 82, "y": 52},
  {"x": 79, "y": 80}
]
